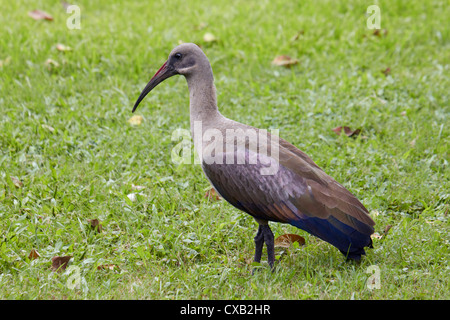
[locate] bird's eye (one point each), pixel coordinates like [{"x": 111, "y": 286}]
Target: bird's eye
[{"x": 178, "y": 56}]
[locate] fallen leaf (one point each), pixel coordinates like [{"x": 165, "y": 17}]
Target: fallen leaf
[
  {"x": 65, "y": 4},
  {"x": 297, "y": 35},
  {"x": 16, "y": 182},
  {"x": 60, "y": 263},
  {"x": 107, "y": 267},
  {"x": 386, "y": 71},
  {"x": 285, "y": 240},
  {"x": 95, "y": 224},
  {"x": 284, "y": 61},
  {"x": 376, "y": 235},
  {"x": 386, "y": 229},
  {"x": 62, "y": 47},
  {"x": 136, "y": 120},
  {"x": 40, "y": 15},
  {"x": 212, "y": 194},
  {"x": 380, "y": 32},
  {"x": 33, "y": 254},
  {"x": 51, "y": 64},
  {"x": 349, "y": 132},
  {"x": 209, "y": 37}
]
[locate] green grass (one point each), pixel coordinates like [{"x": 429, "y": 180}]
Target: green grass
[{"x": 64, "y": 134}]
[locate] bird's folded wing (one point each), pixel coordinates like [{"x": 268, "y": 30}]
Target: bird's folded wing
[{"x": 298, "y": 189}]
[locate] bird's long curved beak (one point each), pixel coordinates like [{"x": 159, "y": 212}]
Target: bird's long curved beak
[{"x": 162, "y": 74}]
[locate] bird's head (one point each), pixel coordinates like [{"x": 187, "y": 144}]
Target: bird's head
[{"x": 184, "y": 59}]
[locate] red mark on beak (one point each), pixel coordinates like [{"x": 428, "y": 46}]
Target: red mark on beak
[{"x": 162, "y": 67}]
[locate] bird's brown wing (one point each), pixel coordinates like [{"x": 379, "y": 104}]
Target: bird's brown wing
[
  {"x": 299, "y": 193},
  {"x": 298, "y": 188},
  {"x": 331, "y": 197}
]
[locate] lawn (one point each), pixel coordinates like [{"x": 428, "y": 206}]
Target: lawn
[{"x": 74, "y": 157}]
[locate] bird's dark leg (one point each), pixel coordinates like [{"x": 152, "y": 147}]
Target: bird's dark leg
[
  {"x": 259, "y": 242},
  {"x": 269, "y": 241},
  {"x": 265, "y": 235}
]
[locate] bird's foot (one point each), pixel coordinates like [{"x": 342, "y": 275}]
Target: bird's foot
[{"x": 265, "y": 235}]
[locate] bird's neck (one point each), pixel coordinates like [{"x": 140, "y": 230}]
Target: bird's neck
[{"x": 202, "y": 98}]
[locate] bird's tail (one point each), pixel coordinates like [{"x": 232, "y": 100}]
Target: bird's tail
[{"x": 347, "y": 239}]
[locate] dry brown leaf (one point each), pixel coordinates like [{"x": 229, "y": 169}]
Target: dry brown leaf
[
  {"x": 386, "y": 71},
  {"x": 62, "y": 47},
  {"x": 284, "y": 61},
  {"x": 386, "y": 229},
  {"x": 136, "y": 120},
  {"x": 297, "y": 35},
  {"x": 65, "y": 4},
  {"x": 40, "y": 15},
  {"x": 16, "y": 182},
  {"x": 286, "y": 240},
  {"x": 107, "y": 267},
  {"x": 95, "y": 224},
  {"x": 380, "y": 32},
  {"x": 348, "y": 132},
  {"x": 376, "y": 235},
  {"x": 51, "y": 64},
  {"x": 33, "y": 254},
  {"x": 212, "y": 194},
  {"x": 60, "y": 263}
]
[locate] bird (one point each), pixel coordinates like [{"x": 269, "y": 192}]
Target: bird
[{"x": 271, "y": 180}]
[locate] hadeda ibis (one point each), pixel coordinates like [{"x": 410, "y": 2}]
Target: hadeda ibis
[{"x": 297, "y": 191}]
